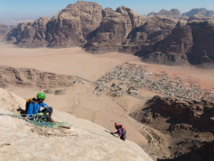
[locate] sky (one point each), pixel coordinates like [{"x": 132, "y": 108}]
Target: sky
[{"x": 37, "y": 8}]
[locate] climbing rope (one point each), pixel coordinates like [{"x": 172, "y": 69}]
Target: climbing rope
[
  {"x": 37, "y": 120},
  {"x": 83, "y": 128},
  {"x": 41, "y": 121}
]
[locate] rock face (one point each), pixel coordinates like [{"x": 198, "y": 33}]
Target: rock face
[
  {"x": 199, "y": 11},
  {"x": 70, "y": 27},
  {"x": 84, "y": 141},
  {"x": 32, "y": 78},
  {"x": 198, "y": 113},
  {"x": 80, "y": 24},
  {"x": 204, "y": 153},
  {"x": 4, "y": 30},
  {"x": 188, "y": 126},
  {"x": 190, "y": 43},
  {"x": 73, "y": 25},
  {"x": 151, "y": 32},
  {"x": 113, "y": 30},
  {"x": 164, "y": 37},
  {"x": 172, "y": 50},
  {"x": 31, "y": 34},
  {"x": 202, "y": 51}
]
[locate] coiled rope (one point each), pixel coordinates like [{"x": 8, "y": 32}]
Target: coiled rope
[{"x": 41, "y": 121}]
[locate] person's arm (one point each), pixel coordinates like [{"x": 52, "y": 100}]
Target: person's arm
[
  {"x": 115, "y": 132},
  {"x": 43, "y": 105}
]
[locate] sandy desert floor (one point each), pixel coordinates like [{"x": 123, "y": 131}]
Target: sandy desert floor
[
  {"x": 75, "y": 61},
  {"x": 79, "y": 100}
]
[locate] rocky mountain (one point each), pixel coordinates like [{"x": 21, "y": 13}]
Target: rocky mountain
[
  {"x": 113, "y": 30},
  {"x": 25, "y": 77},
  {"x": 30, "y": 34},
  {"x": 84, "y": 141},
  {"x": 190, "y": 43},
  {"x": 186, "y": 123},
  {"x": 70, "y": 27},
  {"x": 173, "y": 13},
  {"x": 4, "y": 30},
  {"x": 161, "y": 38},
  {"x": 176, "y": 14},
  {"x": 199, "y": 11},
  {"x": 151, "y": 32}
]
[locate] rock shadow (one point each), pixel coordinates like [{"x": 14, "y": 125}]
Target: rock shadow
[{"x": 204, "y": 153}]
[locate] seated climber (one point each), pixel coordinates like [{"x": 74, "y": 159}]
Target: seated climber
[
  {"x": 121, "y": 132},
  {"x": 33, "y": 106}
]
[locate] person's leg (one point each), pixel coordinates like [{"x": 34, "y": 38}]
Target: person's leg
[
  {"x": 48, "y": 113},
  {"x": 123, "y": 137},
  {"x": 48, "y": 118},
  {"x": 48, "y": 110}
]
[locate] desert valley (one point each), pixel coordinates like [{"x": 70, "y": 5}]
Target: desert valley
[{"x": 157, "y": 84}]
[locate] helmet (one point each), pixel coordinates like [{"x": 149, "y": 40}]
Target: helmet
[
  {"x": 41, "y": 96},
  {"x": 116, "y": 124}
]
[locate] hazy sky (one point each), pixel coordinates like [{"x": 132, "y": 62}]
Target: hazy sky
[{"x": 38, "y": 8}]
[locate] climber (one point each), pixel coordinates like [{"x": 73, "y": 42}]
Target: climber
[
  {"x": 33, "y": 106},
  {"x": 121, "y": 131}
]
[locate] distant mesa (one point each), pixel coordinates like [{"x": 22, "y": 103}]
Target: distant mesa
[
  {"x": 15, "y": 21},
  {"x": 4, "y": 30},
  {"x": 199, "y": 11},
  {"x": 173, "y": 13},
  {"x": 167, "y": 37}
]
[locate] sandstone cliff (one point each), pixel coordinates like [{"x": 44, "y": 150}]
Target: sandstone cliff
[
  {"x": 198, "y": 113},
  {"x": 202, "y": 52},
  {"x": 190, "y": 43},
  {"x": 4, "y": 30},
  {"x": 24, "y": 77},
  {"x": 30, "y": 34},
  {"x": 152, "y": 31},
  {"x": 164, "y": 38},
  {"x": 113, "y": 30},
  {"x": 73, "y": 25},
  {"x": 84, "y": 141},
  {"x": 187, "y": 127},
  {"x": 70, "y": 27}
]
